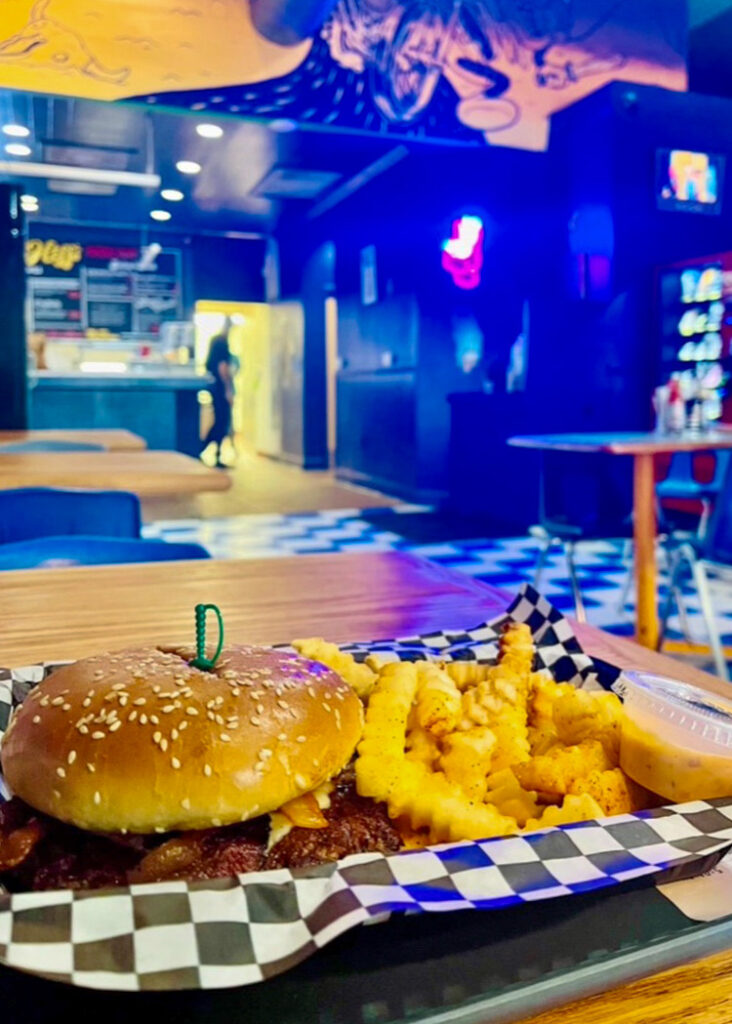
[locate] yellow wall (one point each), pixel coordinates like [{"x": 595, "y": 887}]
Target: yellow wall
[{"x": 249, "y": 340}]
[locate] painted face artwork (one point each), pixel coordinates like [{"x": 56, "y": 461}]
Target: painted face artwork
[{"x": 459, "y": 70}]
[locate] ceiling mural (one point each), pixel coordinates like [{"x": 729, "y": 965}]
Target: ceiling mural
[{"x": 458, "y": 70}]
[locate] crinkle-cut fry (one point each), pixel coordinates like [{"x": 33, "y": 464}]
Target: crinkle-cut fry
[
  {"x": 466, "y": 759},
  {"x": 438, "y": 699},
  {"x": 358, "y": 676},
  {"x": 422, "y": 746},
  {"x": 381, "y": 750},
  {"x": 581, "y": 715},
  {"x": 544, "y": 691},
  {"x": 555, "y": 772},
  {"x": 465, "y": 673},
  {"x": 505, "y": 793},
  {"x": 429, "y": 801},
  {"x": 516, "y": 649},
  {"x": 572, "y": 809},
  {"x": 614, "y": 791},
  {"x": 512, "y": 737},
  {"x": 542, "y": 738}
]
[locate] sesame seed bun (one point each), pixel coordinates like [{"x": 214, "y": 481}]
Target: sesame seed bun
[{"x": 139, "y": 741}]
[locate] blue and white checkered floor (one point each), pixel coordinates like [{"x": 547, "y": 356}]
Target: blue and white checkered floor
[{"x": 505, "y": 563}]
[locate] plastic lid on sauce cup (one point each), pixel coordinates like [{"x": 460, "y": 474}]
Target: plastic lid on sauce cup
[{"x": 704, "y": 717}]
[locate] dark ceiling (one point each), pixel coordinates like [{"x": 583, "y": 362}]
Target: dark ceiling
[{"x": 252, "y": 178}]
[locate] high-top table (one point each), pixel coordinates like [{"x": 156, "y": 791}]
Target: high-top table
[
  {"x": 110, "y": 440},
  {"x": 68, "y": 613},
  {"x": 149, "y": 474},
  {"x": 643, "y": 448}
]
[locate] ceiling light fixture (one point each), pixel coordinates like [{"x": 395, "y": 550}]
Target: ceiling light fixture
[
  {"x": 63, "y": 172},
  {"x": 16, "y": 131},
  {"x": 29, "y": 203},
  {"x": 160, "y": 214},
  {"x": 209, "y": 131},
  {"x": 188, "y": 167},
  {"x": 17, "y": 149},
  {"x": 172, "y": 195}
]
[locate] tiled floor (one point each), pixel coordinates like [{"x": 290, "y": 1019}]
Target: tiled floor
[{"x": 505, "y": 563}]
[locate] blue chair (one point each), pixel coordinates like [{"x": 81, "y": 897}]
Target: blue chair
[
  {"x": 709, "y": 554},
  {"x": 30, "y": 512},
  {"x": 55, "y": 552},
  {"x": 680, "y": 483},
  {"x": 21, "y": 447}
]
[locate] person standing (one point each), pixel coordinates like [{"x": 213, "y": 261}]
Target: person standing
[{"x": 219, "y": 364}]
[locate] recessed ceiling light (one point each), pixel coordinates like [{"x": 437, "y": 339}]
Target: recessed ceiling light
[
  {"x": 209, "y": 131},
  {"x": 18, "y": 149},
  {"x": 173, "y": 195},
  {"x": 29, "y": 202},
  {"x": 188, "y": 167},
  {"x": 16, "y": 131},
  {"x": 283, "y": 125},
  {"x": 160, "y": 214}
]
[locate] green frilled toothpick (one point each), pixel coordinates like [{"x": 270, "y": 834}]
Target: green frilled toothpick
[{"x": 201, "y": 661}]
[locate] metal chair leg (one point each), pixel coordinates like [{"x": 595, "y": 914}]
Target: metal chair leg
[
  {"x": 579, "y": 607},
  {"x": 707, "y": 607},
  {"x": 541, "y": 561},
  {"x": 672, "y": 595}
]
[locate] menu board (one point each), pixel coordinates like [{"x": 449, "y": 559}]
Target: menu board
[{"x": 97, "y": 290}]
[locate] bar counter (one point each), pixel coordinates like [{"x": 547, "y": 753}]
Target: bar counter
[{"x": 161, "y": 404}]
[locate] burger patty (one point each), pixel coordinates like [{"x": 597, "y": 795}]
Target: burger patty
[{"x": 40, "y": 853}]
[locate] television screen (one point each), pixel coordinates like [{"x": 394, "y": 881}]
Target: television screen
[{"x": 689, "y": 181}]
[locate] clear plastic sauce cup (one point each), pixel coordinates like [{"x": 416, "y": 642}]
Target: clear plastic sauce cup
[{"x": 676, "y": 740}]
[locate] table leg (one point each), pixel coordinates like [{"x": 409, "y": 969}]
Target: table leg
[{"x": 644, "y": 534}]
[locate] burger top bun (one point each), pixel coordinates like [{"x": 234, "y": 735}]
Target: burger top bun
[{"x": 139, "y": 741}]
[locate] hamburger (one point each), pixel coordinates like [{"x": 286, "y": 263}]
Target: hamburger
[{"x": 135, "y": 766}]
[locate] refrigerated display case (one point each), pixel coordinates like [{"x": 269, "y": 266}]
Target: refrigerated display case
[{"x": 695, "y": 323}]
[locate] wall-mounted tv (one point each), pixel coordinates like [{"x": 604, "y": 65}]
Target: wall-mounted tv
[{"x": 688, "y": 181}]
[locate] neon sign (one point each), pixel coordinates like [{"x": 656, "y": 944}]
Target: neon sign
[{"x": 462, "y": 253}]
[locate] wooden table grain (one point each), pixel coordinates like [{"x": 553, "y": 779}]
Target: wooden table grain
[
  {"x": 68, "y": 613},
  {"x": 110, "y": 440},
  {"x": 147, "y": 473},
  {"x": 643, "y": 447}
]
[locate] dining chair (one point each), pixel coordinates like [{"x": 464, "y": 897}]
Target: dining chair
[
  {"x": 30, "y": 512},
  {"x": 681, "y": 483},
  {"x": 60, "y": 552},
  {"x": 705, "y": 557}
]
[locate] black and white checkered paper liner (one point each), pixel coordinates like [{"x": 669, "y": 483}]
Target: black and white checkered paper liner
[{"x": 237, "y": 931}]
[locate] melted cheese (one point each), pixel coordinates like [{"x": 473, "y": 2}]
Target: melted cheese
[{"x": 280, "y": 824}]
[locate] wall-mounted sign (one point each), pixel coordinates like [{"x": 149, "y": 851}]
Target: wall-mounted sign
[
  {"x": 102, "y": 290},
  {"x": 470, "y": 70}
]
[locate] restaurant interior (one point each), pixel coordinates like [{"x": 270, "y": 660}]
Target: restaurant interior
[{"x": 364, "y": 319}]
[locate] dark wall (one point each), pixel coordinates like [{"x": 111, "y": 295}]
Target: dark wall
[{"x": 13, "y": 356}]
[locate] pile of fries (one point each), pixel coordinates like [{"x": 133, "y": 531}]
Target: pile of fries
[{"x": 460, "y": 750}]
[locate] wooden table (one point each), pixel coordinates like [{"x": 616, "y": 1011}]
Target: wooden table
[
  {"x": 110, "y": 440},
  {"x": 642, "y": 447},
  {"x": 150, "y": 474},
  {"x": 68, "y": 613}
]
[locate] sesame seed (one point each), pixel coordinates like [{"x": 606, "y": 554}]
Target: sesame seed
[
  {"x": 97, "y": 797},
  {"x": 224, "y": 737},
  {"x": 192, "y": 712},
  {"x": 185, "y": 803},
  {"x": 139, "y": 702},
  {"x": 83, "y": 729},
  {"x": 157, "y": 689},
  {"x": 260, "y": 766},
  {"x": 283, "y": 704},
  {"x": 72, "y": 757},
  {"x": 282, "y": 736},
  {"x": 229, "y": 674},
  {"x": 154, "y": 719},
  {"x": 301, "y": 739},
  {"x": 90, "y": 767},
  {"x": 123, "y": 700},
  {"x": 210, "y": 715},
  {"x": 254, "y": 720},
  {"x": 260, "y": 709},
  {"x": 168, "y": 708},
  {"x": 99, "y": 673},
  {"x": 236, "y": 692},
  {"x": 182, "y": 726},
  {"x": 175, "y": 762},
  {"x": 216, "y": 822},
  {"x": 132, "y": 716},
  {"x": 210, "y": 703},
  {"x": 57, "y": 702},
  {"x": 301, "y": 781},
  {"x": 86, "y": 702},
  {"x": 44, "y": 701},
  {"x": 143, "y": 719},
  {"x": 293, "y": 713},
  {"x": 174, "y": 734},
  {"x": 61, "y": 772},
  {"x": 311, "y": 691},
  {"x": 119, "y": 686},
  {"x": 36, "y": 719},
  {"x": 326, "y": 706},
  {"x": 207, "y": 770},
  {"x": 218, "y": 719},
  {"x": 57, "y": 794},
  {"x": 163, "y": 745},
  {"x": 264, "y": 753},
  {"x": 115, "y": 726},
  {"x": 157, "y": 736},
  {"x": 98, "y": 735},
  {"x": 159, "y": 829}
]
